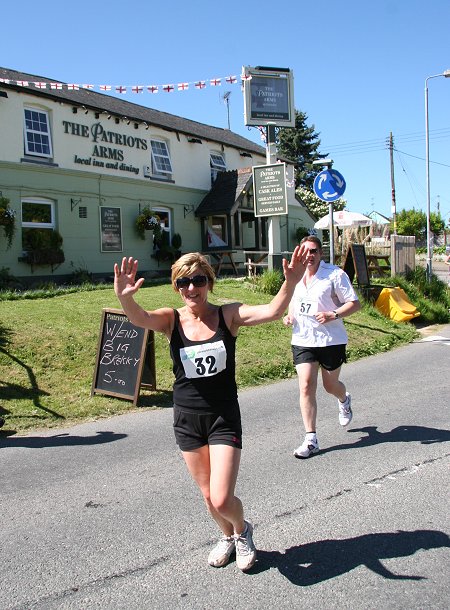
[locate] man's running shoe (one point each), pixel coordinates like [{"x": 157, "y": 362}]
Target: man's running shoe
[
  {"x": 307, "y": 448},
  {"x": 221, "y": 553},
  {"x": 245, "y": 548},
  {"x": 345, "y": 411}
]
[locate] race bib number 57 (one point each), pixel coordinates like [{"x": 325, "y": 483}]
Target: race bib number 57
[
  {"x": 307, "y": 308},
  {"x": 203, "y": 360}
]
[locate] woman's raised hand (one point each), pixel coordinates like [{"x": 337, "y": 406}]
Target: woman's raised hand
[{"x": 125, "y": 283}]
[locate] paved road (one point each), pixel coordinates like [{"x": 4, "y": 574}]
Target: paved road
[{"x": 104, "y": 515}]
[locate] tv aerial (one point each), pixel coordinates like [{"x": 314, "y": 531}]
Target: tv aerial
[{"x": 226, "y": 100}]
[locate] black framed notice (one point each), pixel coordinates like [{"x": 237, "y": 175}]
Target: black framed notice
[
  {"x": 125, "y": 357},
  {"x": 269, "y": 189},
  {"x": 110, "y": 229}
]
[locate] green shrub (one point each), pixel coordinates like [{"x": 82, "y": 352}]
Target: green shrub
[{"x": 270, "y": 281}]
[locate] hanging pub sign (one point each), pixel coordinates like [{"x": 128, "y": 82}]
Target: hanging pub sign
[
  {"x": 269, "y": 189},
  {"x": 268, "y": 96}
]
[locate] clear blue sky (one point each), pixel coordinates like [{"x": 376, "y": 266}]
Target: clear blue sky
[{"x": 359, "y": 68}]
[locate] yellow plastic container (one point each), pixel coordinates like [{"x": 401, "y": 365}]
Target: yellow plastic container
[{"x": 394, "y": 304}]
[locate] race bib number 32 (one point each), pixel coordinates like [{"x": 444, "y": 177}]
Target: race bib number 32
[{"x": 203, "y": 360}]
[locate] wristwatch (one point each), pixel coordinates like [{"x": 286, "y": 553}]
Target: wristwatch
[{"x": 336, "y": 315}]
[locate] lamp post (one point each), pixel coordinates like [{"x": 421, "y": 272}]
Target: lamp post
[{"x": 446, "y": 74}]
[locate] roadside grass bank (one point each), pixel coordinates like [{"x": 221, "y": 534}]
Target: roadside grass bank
[{"x": 48, "y": 346}]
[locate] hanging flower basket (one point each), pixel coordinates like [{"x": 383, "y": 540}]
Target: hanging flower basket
[
  {"x": 148, "y": 221},
  {"x": 7, "y": 220}
]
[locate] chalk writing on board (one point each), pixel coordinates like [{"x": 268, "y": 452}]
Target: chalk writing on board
[{"x": 121, "y": 356}]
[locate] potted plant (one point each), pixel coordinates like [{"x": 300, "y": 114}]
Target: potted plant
[
  {"x": 176, "y": 245},
  {"x": 148, "y": 221},
  {"x": 43, "y": 247},
  {"x": 7, "y": 220}
]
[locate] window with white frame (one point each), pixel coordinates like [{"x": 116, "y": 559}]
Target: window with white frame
[
  {"x": 37, "y": 135},
  {"x": 217, "y": 162},
  {"x": 161, "y": 164},
  {"x": 38, "y": 217}
]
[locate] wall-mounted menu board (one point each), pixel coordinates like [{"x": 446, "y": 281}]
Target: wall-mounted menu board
[
  {"x": 110, "y": 229},
  {"x": 125, "y": 357}
]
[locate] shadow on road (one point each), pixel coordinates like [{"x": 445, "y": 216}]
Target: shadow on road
[
  {"x": 401, "y": 434},
  {"x": 58, "y": 440},
  {"x": 315, "y": 562}
]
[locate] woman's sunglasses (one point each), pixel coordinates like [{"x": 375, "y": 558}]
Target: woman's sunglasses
[{"x": 198, "y": 281}]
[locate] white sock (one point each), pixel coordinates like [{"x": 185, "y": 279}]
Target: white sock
[{"x": 311, "y": 436}]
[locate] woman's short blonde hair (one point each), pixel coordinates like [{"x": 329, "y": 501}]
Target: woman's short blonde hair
[{"x": 188, "y": 264}]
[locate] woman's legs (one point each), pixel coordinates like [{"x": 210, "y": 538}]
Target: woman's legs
[{"x": 215, "y": 468}]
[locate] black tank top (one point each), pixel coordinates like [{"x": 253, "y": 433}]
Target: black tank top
[{"x": 204, "y": 370}]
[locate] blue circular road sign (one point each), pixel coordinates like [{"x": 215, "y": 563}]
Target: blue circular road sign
[{"x": 329, "y": 185}]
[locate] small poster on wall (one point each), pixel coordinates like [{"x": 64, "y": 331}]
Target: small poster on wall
[{"x": 110, "y": 229}]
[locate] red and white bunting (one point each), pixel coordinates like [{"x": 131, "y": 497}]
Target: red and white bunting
[{"x": 123, "y": 89}]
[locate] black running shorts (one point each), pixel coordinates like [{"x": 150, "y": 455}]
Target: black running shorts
[
  {"x": 330, "y": 357},
  {"x": 195, "y": 429}
]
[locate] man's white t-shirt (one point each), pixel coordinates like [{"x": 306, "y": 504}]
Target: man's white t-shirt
[{"x": 328, "y": 289}]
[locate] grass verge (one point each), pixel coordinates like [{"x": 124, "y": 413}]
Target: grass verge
[{"x": 48, "y": 349}]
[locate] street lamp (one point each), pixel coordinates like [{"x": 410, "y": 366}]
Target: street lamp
[{"x": 446, "y": 74}]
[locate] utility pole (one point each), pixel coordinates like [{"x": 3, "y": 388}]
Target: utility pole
[{"x": 394, "y": 206}]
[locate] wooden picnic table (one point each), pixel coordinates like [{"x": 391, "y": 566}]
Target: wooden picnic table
[
  {"x": 255, "y": 259},
  {"x": 219, "y": 256},
  {"x": 379, "y": 264}
]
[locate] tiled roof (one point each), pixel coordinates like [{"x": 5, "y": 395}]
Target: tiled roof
[
  {"x": 226, "y": 192},
  {"x": 116, "y": 106}
]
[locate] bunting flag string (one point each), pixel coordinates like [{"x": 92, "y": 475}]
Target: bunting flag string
[{"x": 124, "y": 89}]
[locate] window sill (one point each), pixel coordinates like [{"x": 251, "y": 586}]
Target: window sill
[
  {"x": 157, "y": 179},
  {"x": 38, "y": 162}
]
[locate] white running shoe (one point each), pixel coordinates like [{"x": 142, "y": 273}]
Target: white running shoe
[
  {"x": 345, "y": 411},
  {"x": 221, "y": 553},
  {"x": 245, "y": 548},
  {"x": 307, "y": 448}
]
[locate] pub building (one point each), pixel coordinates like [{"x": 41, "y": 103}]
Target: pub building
[{"x": 79, "y": 167}]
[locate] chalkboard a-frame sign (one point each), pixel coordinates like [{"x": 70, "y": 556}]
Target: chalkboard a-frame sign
[{"x": 125, "y": 357}]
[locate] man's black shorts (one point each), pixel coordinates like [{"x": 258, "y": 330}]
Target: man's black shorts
[
  {"x": 330, "y": 357},
  {"x": 194, "y": 429}
]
